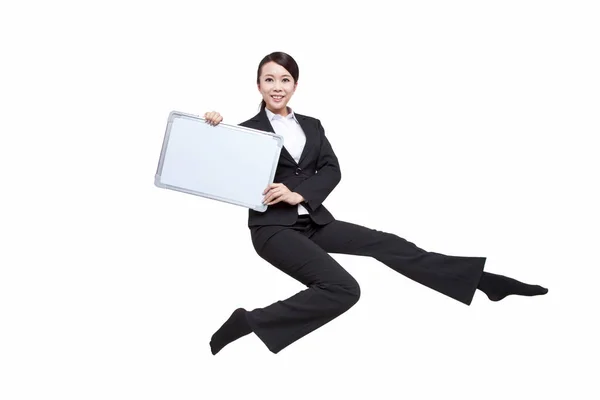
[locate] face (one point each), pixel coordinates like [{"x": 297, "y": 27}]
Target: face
[{"x": 276, "y": 86}]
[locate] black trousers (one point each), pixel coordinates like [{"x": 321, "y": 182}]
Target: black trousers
[{"x": 301, "y": 251}]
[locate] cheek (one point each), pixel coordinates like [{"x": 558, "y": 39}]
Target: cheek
[{"x": 265, "y": 89}]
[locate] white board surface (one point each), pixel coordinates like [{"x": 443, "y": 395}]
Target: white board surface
[{"x": 227, "y": 163}]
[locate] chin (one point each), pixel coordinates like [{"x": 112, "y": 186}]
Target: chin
[{"x": 278, "y": 106}]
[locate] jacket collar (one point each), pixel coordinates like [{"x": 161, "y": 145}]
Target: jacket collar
[{"x": 291, "y": 115}]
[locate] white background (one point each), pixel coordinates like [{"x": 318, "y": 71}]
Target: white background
[{"x": 466, "y": 127}]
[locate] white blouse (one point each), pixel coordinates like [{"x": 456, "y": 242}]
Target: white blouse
[{"x": 294, "y": 137}]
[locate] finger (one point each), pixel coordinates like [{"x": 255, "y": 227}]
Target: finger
[
  {"x": 271, "y": 186},
  {"x": 272, "y": 195},
  {"x": 280, "y": 196},
  {"x": 275, "y": 201},
  {"x": 267, "y": 198},
  {"x": 216, "y": 119},
  {"x": 213, "y": 117}
]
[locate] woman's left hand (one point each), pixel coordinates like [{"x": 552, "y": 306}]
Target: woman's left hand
[{"x": 277, "y": 192}]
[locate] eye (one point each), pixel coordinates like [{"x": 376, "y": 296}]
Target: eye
[
  {"x": 286, "y": 79},
  {"x": 268, "y": 79}
]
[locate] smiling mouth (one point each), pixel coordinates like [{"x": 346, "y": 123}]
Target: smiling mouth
[{"x": 277, "y": 97}]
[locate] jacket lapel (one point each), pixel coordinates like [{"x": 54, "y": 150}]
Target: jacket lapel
[
  {"x": 311, "y": 135},
  {"x": 263, "y": 123}
]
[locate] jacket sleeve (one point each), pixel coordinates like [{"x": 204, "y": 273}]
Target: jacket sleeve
[{"x": 317, "y": 187}]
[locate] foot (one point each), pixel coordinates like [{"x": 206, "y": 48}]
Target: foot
[
  {"x": 497, "y": 287},
  {"x": 234, "y": 328}
]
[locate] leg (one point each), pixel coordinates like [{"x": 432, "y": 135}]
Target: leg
[
  {"x": 456, "y": 277},
  {"x": 331, "y": 290}
]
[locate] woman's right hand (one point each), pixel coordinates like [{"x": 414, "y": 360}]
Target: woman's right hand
[{"x": 213, "y": 118}]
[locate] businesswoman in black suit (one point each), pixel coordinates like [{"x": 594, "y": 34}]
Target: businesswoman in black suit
[{"x": 296, "y": 233}]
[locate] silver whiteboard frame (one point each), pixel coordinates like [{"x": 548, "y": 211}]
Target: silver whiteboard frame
[{"x": 159, "y": 171}]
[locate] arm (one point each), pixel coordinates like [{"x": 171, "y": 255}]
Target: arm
[{"x": 316, "y": 188}]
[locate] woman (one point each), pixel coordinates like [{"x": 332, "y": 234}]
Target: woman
[{"x": 296, "y": 232}]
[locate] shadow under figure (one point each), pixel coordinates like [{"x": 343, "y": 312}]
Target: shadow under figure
[{"x": 296, "y": 233}]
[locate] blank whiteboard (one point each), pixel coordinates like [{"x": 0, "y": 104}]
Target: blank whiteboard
[{"x": 228, "y": 163}]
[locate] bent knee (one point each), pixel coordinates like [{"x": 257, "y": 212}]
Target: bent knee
[
  {"x": 349, "y": 296},
  {"x": 347, "y": 293},
  {"x": 353, "y": 291}
]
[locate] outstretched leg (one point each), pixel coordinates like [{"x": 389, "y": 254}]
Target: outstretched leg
[{"x": 456, "y": 277}]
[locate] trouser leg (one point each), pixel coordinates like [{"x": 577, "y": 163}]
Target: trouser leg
[
  {"x": 454, "y": 276},
  {"x": 331, "y": 290}
]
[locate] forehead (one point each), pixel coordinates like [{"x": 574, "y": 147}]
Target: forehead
[{"x": 272, "y": 68}]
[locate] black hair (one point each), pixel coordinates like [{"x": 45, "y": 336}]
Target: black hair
[{"x": 283, "y": 59}]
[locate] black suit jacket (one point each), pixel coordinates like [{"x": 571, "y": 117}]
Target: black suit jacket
[{"x": 314, "y": 176}]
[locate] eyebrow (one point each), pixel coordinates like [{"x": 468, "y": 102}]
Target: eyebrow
[{"x": 281, "y": 75}]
